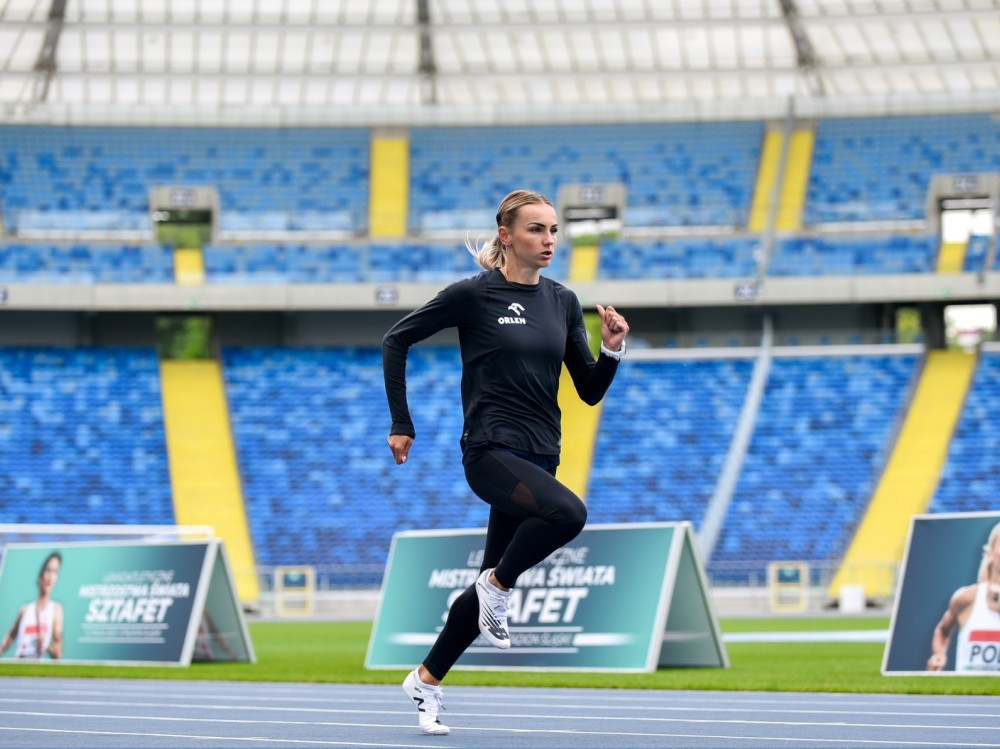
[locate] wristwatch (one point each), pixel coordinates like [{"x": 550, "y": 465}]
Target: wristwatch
[{"x": 616, "y": 355}]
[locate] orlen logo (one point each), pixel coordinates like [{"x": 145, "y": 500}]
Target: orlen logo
[{"x": 517, "y": 309}]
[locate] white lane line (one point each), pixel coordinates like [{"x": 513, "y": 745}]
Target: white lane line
[
  {"x": 37, "y": 701},
  {"x": 578, "y": 697},
  {"x": 198, "y": 737},
  {"x": 318, "y": 742},
  {"x": 202, "y": 706},
  {"x": 596, "y": 719}
]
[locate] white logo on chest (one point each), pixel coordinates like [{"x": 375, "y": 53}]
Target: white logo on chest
[{"x": 517, "y": 309}]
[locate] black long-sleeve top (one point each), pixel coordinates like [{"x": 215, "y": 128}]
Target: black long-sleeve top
[{"x": 514, "y": 339}]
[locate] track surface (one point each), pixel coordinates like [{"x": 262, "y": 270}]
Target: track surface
[{"x": 57, "y": 712}]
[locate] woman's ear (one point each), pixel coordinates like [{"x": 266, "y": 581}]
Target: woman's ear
[{"x": 504, "y": 234}]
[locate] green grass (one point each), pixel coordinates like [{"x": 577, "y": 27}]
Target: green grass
[
  {"x": 335, "y": 652},
  {"x": 805, "y": 624}
]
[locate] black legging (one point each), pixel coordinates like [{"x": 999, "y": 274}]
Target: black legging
[{"x": 531, "y": 515}]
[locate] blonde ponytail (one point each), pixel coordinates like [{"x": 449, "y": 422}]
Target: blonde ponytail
[
  {"x": 489, "y": 255},
  {"x": 986, "y": 565}
]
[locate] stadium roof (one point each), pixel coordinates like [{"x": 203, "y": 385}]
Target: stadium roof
[{"x": 402, "y": 62}]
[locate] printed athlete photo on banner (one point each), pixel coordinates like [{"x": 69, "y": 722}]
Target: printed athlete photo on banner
[
  {"x": 120, "y": 603},
  {"x": 38, "y": 629},
  {"x": 947, "y": 617}
]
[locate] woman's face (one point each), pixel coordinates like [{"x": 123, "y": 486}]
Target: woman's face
[
  {"x": 533, "y": 236},
  {"x": 49, "y": 575},
  {"x": 993, "y": 589}
]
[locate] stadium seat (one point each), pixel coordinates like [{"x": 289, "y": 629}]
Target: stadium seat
[
  {"x": 853, "y": 256},
  {"x": 82, "y": 438},
  {"x": 675, "y": 174},
  {"x": 662, "y": 444},
  {"x": 101, "y": 178},
  {"x": 84, "y": 263},
  {"x": 968, "y": 481},
  {"x": 818, "y": 446},
  {"x": 678, "y": 259},
  {"x": 307, "y": 423},
  {"x": 878, "y": 169}
]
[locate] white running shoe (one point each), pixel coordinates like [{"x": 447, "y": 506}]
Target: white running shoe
[
  {"x": 493, "y": 605},
  {"x": 428, "y": 702}
]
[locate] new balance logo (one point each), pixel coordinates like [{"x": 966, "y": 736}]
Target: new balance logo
[
  {"x": 494, "y": 626},
  {"x": 420, "y": 703},
  {"x": 493, "y": 605},
  {"x": 497, "y": 632}
]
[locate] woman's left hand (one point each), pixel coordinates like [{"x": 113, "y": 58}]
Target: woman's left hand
[{"x": 613, "y": 328}]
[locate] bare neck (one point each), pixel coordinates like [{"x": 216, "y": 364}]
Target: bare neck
[{"x": 519, "y": 274}]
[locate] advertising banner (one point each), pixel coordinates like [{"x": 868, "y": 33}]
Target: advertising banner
[
  {"x": 114, "y": 602},
  {"x": 616, "y": 598},
  {"x": 946, "y": 618}
]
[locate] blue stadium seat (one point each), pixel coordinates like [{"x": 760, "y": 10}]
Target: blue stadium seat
[
  {"x": 266, "y": 263},
  {"x": 675, "y": 174},
  {"x": 976, "y": 253},
  {"x": 663, "y": 439},
  {"x": 318, "y": 479},
  {"x": 81, "y": 437},
  {"x": 258, "y": 263},
  {"x": 851, "y": 256},
  {"x": 679, "y": 258},
  {"x": 814, "y": 459},
  {"x": 969, "y": 479},
  {"x": 47, "y": 263},
  {"x": 100, "y": 177},
  {"x": 876, "y": 169}
]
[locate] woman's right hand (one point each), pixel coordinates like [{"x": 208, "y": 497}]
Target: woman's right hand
[{"x": 400, "y": 446}]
